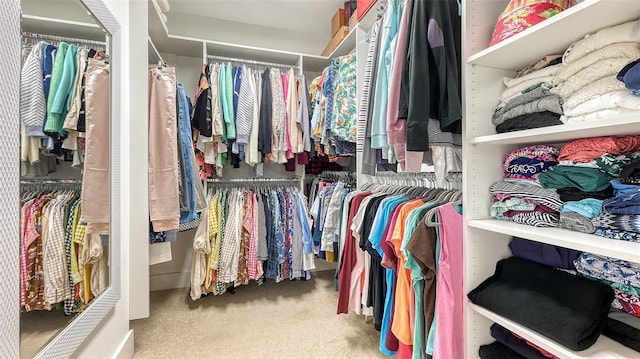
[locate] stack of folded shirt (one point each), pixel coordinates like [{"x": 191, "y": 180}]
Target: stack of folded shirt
[
  {"x": 620, "y": 217},
  {"x": 526, "y": 164},
  {"x": 543, "y": 253},
  {"x": 527, "y": 102},
  {"x": 538, "y": 297},
  {"x": 623, "y": 276},
  {"x": 525, "y": 204},
  {"x": 587, "y": 79}
]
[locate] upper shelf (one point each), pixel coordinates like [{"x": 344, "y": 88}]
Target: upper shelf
[
  {"x": 555, "y": 34},
  {"x": 564, "y": 238},
  {"x": 61, "y": 27},
  {"x": 603, "y": 348},
  {"x": 627, "y": 125}
]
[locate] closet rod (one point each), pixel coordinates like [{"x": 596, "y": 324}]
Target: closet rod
[
  {"x": 49, "y": 181},
  {"x": 74, "y": 40},
  {"x": 252, "y": 180},
  {"x": 251, "y": 62}
]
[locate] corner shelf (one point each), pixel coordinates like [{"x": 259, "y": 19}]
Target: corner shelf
[
  {"x": 563, "y": 237},
  {"x": 619, "y": 126},
  {"x": 603, "y": 348},
  {"x": 555, "y": 34}
]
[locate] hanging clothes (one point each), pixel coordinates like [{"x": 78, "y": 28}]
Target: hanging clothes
[{"x": 230, "y": 250}]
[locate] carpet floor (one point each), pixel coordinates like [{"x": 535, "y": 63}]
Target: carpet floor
[{"x": 276, "y": 320}]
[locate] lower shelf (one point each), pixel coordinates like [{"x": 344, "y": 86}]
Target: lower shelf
[
  {"x": 564, "y": 238},
  {"x": 603, "y": 348}
]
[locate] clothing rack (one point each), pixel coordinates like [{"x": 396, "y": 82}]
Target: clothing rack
[
  {"x": 32, "y": 35},
  {"x": 50, "y": 184},
  {"x": 252, "y": 62},
  {"x": 254, "y": 182},
  {"x": 415, "y": 179},
  {"x": 343, "y": 176}
]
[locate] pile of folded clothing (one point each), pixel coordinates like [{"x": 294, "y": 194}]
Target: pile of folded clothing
[
  {"x": 569, "y": 309},
  {"x": 587, "y": 80},
  {"x": 630, "y": 76},
  {"x": 622, "y": 278},
  {"x": 527, "y": 101},
  {"x": 518, "y": 197}
]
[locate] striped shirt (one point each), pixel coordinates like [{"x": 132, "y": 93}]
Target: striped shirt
[{"x": 366, "y": 87}]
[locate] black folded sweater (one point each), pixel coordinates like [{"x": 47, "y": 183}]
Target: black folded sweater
[
  {"x": 568, "y": 309},
  {"x": 497, "y": 350}
]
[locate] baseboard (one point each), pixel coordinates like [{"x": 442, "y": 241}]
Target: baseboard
[
  {"x": 127, "y": 347},
  {"x": 169, "y": 281}
]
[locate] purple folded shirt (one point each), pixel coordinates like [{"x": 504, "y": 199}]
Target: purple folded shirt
[{"x": 543, "y": 253}]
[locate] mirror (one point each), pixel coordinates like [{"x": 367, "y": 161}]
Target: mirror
[{"x": 61, "y": 184}]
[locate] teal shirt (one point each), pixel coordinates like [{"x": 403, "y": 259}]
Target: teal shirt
[
  {"x": 229, "y": 120},
  {"x": 51, "y": 125},
  {"x": 60, "y": 102}
]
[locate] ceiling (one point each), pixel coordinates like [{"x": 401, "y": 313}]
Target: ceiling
[{"x": 301, "y": 16}]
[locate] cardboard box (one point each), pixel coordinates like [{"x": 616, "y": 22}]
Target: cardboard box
[
  {"x": 337, "y": 22},
  {"x": 353, "y": 21},
  {"x": 335, "y": 41}
]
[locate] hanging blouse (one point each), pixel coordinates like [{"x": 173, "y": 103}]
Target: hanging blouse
[{"x": 344, "y": 123}]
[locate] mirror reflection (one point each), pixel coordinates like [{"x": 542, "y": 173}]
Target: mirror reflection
[{"x": 64, "y": 162}]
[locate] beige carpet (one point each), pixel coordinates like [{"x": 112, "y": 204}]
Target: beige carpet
[
  {"x": 276, "y": 320},
  {"x": 37, "y": 328}
]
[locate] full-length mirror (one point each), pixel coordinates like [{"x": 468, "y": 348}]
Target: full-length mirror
[{"x": 68, "y": 243}]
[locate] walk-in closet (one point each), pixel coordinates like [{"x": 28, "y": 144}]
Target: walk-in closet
[{"x": 412, "y": 179}]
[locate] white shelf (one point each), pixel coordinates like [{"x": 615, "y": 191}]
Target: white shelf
[
  {"x": 627, "y": 125},
  {"x": 61, "y": 27},
  {"x": 346, "y": 45},
  {"x": 603, "y": 348},
  {"x": 564, "y": 238},
  {"x": 555, "y": 34}
]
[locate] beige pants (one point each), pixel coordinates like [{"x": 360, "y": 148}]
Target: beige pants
[
  {"x": 164, "y": 205},
  {"x": 96, "y": 179}
]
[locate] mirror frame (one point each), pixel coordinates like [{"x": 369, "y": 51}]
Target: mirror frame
[{"x": 68, "y": 339}]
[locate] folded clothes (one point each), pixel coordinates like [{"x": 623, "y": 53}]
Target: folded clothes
[
  {"x": 538, "y": 195},
  {"x": 546, "y": 61},
  {"x": 590, "y": 74},
  {"x": 618, "y": 234},
  {"x": 630, "y": 173},
  {"x": 611, "y": 164},
  {"x": 517, "y": 344},
  {"x": 575, "y": 194},
  {"x": 535, "y": 296},
  {"x": 627, "y": 297},
  {"x": 622, "y": 99},
  {"x": 526, "y": 86},
  {"x": 617, "y": 286},
  {"x": 527, "y": 97},
  {"x": 624, "y": 317},
  {"x": 623, "y": 334},
  {"x": 630, "y": 75},
  {"x": 596, "y": 88},
  {"x": 534, "y": 218},
  {"x": 627, "y": 50},
  {"x": 576, "y": 222},
  {"x": 605, "y": 114},
  {"x": 583, "y": 178},
  {"x": 588, "y": 207},
  {"x": 587, "y": 149},
  {"x": 528, "y": 162},
  {"x": 543, "y": 253},
  {"x": 623, "y": 222},
  {"x": 551, "y": 103},
  {"x": 498, "y": 350},
  {"x": 607, "y": 268},
  {"x": 626, "y": 32},
  {"x": 628, "y": 203},
  {"x": 626, "y": 307},
  {"x": 541, "y": 73},
  {"x": 620, "y": 188},
  {"x": 529, "y": 121},
  {"x": 498, "y": 208}
]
